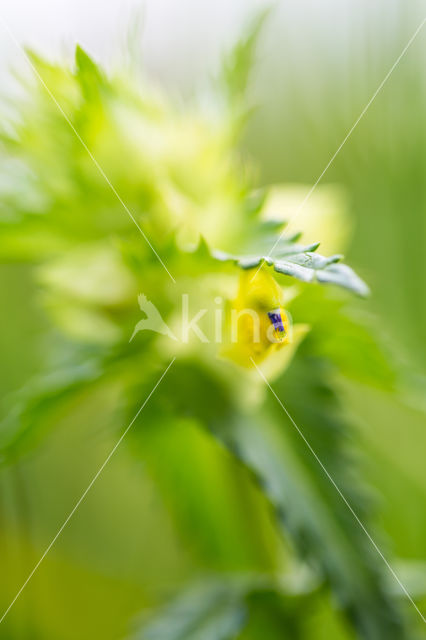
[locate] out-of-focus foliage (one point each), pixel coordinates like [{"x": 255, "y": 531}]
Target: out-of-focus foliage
[{"x": 240, "y": 485}]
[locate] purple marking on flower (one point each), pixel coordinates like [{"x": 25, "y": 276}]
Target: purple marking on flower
[{"x": 276, "y": 319}]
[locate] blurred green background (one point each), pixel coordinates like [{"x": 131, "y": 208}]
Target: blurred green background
[{"x": 123, "y": 552}]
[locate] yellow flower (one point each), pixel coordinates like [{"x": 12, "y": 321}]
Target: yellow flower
[{"x": 258, "y": 327}]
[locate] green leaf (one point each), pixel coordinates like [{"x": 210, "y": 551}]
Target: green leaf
[
  {"x": 307, "y": 504},
  {"x": 211, "y": 498},
  {"x": 344, "y": 337},
  {"x": 208, "y": 611},
  {"x": 301, "y": 263},
  {"x": 274, "y": 617},
  {"x": 29, "y": 413},
  {"x": 264, "y": 243},
  {"x": 31, "y": 410},
  {"x": 85, "y": 64},
  {"x": 88, "y": 74},
  {"x": 238, "y": 63},
  {"x": 221, "y": 608},
  {"x": 310, "y": 510}
]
